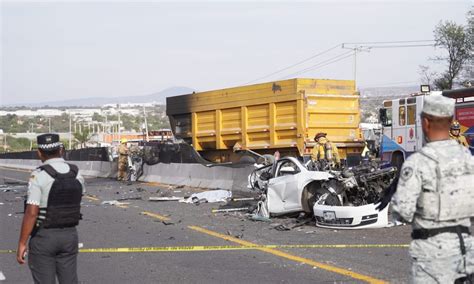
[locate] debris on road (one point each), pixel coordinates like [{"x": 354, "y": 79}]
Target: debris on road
[
  {"x": 281, "y": 228},
  {"x": 114, "y": 203},
  {"x": 2, "y": 276},
  {"x": 14, "y": 182},
  {"x": 130, "y": 198},
  {"x": 229, "y": 210},
  {"x": 258, "y": 218},
  {"x": 171, "y": 198},
  {"x": 210, "y": 196}
]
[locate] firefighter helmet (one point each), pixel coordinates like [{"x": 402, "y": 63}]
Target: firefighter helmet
[
  {"x": 319, "y": 135},
  {"x": 455, "y": 125}
]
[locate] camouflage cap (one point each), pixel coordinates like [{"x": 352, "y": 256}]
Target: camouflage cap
[{"x": 437, "y": 105}]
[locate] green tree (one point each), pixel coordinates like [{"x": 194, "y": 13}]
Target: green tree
[
  {"x": 16, "y": 144},
  {"x": 455, "y": 40},
  {"x": 82, "y": 137}
]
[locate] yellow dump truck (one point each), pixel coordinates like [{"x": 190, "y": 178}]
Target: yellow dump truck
[{"x": 281, "y": 115}]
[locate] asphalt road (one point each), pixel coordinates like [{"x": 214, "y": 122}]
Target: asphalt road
[{"x": 192, "y": 245}]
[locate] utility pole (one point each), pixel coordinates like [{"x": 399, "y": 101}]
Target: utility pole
[
  {"x": 49, "y": 124},
  {"x": 356, "y": 49},
  {"x": 31, "y": 138},
  {"x": 70, "y": 131},
  {"x": 146, "y": 124},
  {"x": 118, "y": 127}
]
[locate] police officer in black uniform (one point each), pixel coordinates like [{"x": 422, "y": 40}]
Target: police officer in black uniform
[{"x": 52, "y": 213}]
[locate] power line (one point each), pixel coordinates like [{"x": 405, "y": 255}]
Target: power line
[
  {"x": 377, "y": 44},
  {"x": 323, "y": 63},
  {"x": 387, "y": 84},
  {"x": 399, "y": 46},
  {"x": 296, "y": 64},
  {"x": 390, "y": 42}
]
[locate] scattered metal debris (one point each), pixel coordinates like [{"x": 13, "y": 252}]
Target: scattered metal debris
[
  {"x": 172, "y": 198},
  {"x": 130, "y": 198},
  {"x": 14, "y": 182},
  {"x": 282, "y": 228},
  {"x": 256, "y": 217},
  {"x": 229, "y": 210},
  {"x": 113, "y": 202}
]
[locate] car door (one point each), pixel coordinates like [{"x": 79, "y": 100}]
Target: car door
[{"x": 282, "y": 192}]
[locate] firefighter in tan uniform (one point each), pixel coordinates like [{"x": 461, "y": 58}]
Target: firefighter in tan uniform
[
  {"x": 325, "y": 150},
  {"x": 435, "y": 193},
  {"x": 123, "y": 160},
  {"x": 454, "y": 133}
]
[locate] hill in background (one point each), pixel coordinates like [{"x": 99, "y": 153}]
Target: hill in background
[{"x": 91, "y": 102}]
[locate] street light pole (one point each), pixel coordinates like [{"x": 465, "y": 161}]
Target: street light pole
[
  {"x": 146, "y": 124},
  {"x": 356, "y": 49},
  {"x": 70, "y": 131},
  {"x": 118, "y": 130}
]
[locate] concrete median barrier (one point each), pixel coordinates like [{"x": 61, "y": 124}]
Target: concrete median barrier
[{"x": 195, "y": 175}]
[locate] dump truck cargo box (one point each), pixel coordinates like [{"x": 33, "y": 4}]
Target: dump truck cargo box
[{"x": 281, "y": 115}]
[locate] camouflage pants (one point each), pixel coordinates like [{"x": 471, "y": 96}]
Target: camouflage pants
[
  {"x": 439, "y": 260},
  {"x": 122, "y": 168}
]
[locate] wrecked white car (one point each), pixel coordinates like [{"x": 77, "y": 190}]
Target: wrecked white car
[{"x": 338, "y": 199}]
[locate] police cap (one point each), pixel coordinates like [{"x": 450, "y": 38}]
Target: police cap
[
  {"x": 439, "y": 106},
  {"x": 48, "y": 142}
]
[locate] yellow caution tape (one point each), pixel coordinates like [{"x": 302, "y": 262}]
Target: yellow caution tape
[{"x": 226, "y": 248}]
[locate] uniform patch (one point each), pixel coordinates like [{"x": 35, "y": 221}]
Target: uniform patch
[{"x": 406, "y": 173}]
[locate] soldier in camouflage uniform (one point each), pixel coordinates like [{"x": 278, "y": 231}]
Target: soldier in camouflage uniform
[{"x": 435, "y": 193}]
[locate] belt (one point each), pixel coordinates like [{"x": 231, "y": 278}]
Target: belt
[{"x": 428, "y": 233}]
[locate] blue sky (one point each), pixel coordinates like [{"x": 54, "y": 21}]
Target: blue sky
[{"x": 61, "y": 50}]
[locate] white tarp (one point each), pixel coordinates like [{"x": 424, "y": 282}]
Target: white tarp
[{"x": 210, "y": 196}]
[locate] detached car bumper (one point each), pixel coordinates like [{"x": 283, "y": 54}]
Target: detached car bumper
[{"x": 350, "y": 217}]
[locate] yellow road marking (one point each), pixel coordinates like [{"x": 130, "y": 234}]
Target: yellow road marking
[
  {"x": 154, "y": 215},
  {"x": 227, "y": 248},
  {"x": 282, "y": 254},
  {"x": 90, "y": 197}
]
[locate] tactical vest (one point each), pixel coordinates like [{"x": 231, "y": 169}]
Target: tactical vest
[
  {"x": 64, "y": 200},
  {"x": 453, "y": 197}
]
